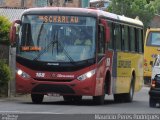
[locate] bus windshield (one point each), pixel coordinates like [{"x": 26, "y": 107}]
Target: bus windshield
[
  {"x": 153, "y": 39},
  {"x": 54, "y": 38}
]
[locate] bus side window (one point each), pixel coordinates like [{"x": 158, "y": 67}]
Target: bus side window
[
  {"x": 118, "y": 38},
  {"x": 132, "y": 39},
  {"x": 110, "y": 44},
  {"x": 101, "y": 40},
  {"x": 126, "y": 39},
  {"x": 137, "y": 40},
  {"x": 140, "y": 40}
]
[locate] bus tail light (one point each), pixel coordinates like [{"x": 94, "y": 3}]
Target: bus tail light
[
  {"x": 22, "y": 74},
  {"x": 153, "y": 84},
  {"x": 86, "y": 75}
]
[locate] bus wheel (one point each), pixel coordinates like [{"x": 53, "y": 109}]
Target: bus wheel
[
  {"x": 128, "y": 97},
  {"x": 118, "y": 98},
  {"x": 37, "y": 98},
  {"x": 152, "y": 102},
  {"x": 99, "y": 100}
]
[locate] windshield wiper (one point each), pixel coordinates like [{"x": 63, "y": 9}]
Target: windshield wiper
[
  {"x": 48, "y": 46},
  {"x": 39, "y": 33},
  {"x": 55, "y": 40},
  {"x": 66, "y": 53}
]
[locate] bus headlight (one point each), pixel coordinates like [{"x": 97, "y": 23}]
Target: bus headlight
[
  {"x": 22, "y": 73},
  {"x": 87, "y": 75}
]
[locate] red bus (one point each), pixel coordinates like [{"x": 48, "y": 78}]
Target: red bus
[{"x": 49, "y": 62}]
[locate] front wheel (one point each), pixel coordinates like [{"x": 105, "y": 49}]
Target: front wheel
[
  {"x": 99, "y": 100},
  {"x": 37, "y": 98}
]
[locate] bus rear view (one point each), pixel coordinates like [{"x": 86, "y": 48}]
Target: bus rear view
[{"x": 151, "y": 50}]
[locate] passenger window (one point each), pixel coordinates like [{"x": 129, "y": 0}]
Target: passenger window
[
  {"x": 118, "y": 37},
  {"x": 111, "y": 36},
  {"x": 125, "y": 39},
  {"x": 132, "y": 39}
]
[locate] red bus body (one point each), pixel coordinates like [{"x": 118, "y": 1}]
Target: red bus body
[{"x": 64, "y": 81}]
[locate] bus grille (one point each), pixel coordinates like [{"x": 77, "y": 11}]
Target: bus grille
[
  {"x": 52, "y": 80},
  {"x": 47, "y": 88}
]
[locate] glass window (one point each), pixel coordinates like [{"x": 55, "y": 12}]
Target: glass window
[
  {"x": 140, "y": 40},
  {"x": 41, "y": 3},
  {"x": 132, "y": 39},
  {"x": 101, "y": 44},
  {"x": 118, "y": 36},
  {"x": 70, "y": 1},
  {"x": 49, "y": 38},
  {"x": 110, "y": 45},
  {"x": 153, "y": 39},
  {"x": 125, "y": 38}
]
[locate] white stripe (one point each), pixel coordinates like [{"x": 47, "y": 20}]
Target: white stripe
[{"x": 25, "y": 112}]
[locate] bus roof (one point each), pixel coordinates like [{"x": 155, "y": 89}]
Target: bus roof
[{"x": 83, "y": 12}]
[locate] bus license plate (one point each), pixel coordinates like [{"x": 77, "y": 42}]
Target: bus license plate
[{"x": 54, "y": 94}]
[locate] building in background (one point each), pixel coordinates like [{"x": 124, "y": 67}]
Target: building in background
[
  {"x": 39, "y": 3},
  {"x": 155, "y": 21},
  {"x": 101, "y": 4}
]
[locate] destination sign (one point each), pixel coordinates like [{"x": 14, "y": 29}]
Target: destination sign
[
  {"x": 59, "y": 19},
  {"x": 31, "y": 48}
]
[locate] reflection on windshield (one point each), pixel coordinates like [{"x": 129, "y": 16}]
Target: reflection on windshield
[{"x": 57, "y": 42}]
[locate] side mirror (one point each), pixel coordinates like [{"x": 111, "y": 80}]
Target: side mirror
[
  {"x": 107, "y": 30},
  {"x": 14, "y": 32}
]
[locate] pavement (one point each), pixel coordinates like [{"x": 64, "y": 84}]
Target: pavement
[{"x": 16, "y": 98}]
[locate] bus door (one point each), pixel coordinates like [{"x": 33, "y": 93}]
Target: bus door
[{"x": 100, "y": 60}]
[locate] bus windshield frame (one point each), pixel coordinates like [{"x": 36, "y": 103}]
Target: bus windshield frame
[{"x": 51, "y": 38}]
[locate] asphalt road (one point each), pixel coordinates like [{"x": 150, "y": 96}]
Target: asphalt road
[{"x": 55, "y": 107}]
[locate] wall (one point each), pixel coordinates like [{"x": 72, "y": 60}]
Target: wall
[{"x": 32, "y": 3}]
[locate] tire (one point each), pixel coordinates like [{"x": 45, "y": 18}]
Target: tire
[
  {"x": 152, "y": 102},
  {"x": 69, "y": 98},
  {"x": 118, "y": 98},
  {"x": 99, "y": 100},
  {"x": 126, "y": 97},
  {"x": 37, "y": 98}
]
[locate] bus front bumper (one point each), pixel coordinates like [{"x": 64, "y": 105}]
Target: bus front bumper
[{"x": 75, "y": 87}]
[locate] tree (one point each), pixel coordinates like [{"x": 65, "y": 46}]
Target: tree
[
  {"x": 4, "y": 30},
  {"x": 156, "y": 4},
  {"x": 5, "y": 76},
  {"x": 5, "y": 73},
  {"x": 133, "y": 8}
]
